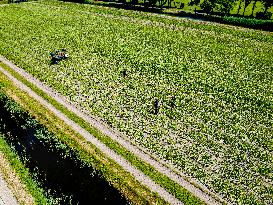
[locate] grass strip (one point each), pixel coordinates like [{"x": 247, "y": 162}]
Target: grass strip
[
  {"x": 22, "y": 172},
  {"x": 179, "y": 192}
]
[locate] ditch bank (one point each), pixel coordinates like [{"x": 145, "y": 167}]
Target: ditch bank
[{"x": 53, "y": 165}]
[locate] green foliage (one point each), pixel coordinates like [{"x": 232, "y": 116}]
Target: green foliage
[
  {"x": 1, "y": 85},
  {"x": 208, "y": 6},
  {"x": 3, "y": 1},
  {"x": 223, "y": 6},
  {"x": 246, "y": 22},
  {"x": 220, "y": 7},
  {"x": 267, "y": 4},
  {"x": 194, "y": 2}
]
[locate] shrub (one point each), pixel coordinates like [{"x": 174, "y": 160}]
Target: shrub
[{"x": 250, "y": 23}]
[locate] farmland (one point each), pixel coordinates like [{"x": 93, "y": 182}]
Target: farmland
[{"x": 213, "y": 83}]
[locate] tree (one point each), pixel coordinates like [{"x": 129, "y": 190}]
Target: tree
[
  {"x": 240, "y": 6},
  {"x": 267, "y": 4},
  {"x": 253, "y": 7},
  {"x": 194, "y": 3},
  {"x": 247, "y": 2},
  {"x": 208, "y": 6},
  {"x": 225, "y": 6}
]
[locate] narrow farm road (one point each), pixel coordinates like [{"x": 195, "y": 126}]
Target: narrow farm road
[{"x": 192, "y": 186}]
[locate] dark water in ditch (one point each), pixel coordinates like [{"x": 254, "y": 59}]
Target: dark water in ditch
[{"x": 52, "y": 163}]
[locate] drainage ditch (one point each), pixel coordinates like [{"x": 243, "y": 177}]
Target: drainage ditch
[{"x": 56, "y": 168}]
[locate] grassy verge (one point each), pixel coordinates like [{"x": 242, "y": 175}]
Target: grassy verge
[
  {"x": 22, "y": 172},
  {"x": 39, "y": 113}
]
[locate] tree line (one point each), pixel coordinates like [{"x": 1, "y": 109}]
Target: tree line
[
  {"x": 209, "y": 6},
  {"x": 225, "y": 6}
]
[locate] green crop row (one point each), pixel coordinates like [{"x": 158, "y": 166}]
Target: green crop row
[{"x": 213, "y": 84}]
